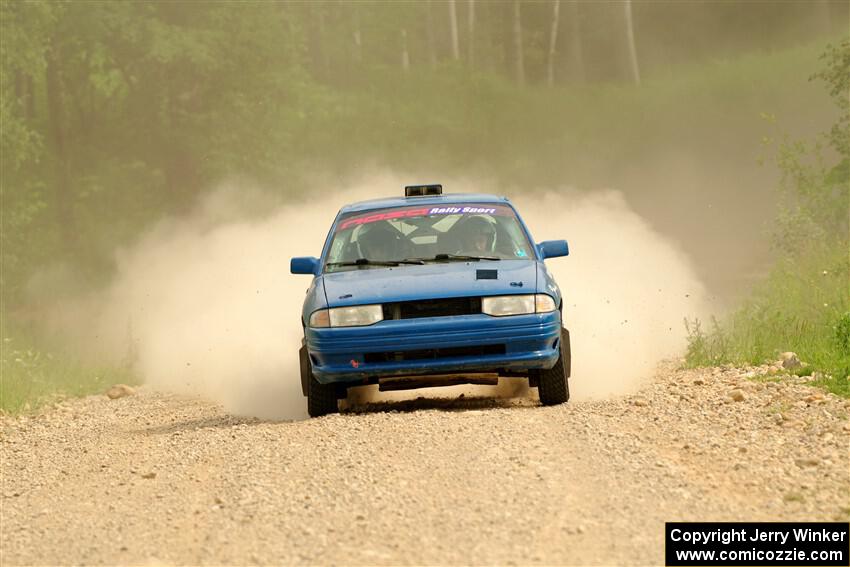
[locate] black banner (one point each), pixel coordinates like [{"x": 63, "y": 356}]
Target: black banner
[{"x": 757, "y": 543}]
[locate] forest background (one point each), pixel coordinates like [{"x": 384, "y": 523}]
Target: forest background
[{"x": 115, "y": 115}]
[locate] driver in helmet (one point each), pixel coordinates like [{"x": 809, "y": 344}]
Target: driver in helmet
[
  {"x": 478, "y": 236},
  {"x": 380, "y": 241}
]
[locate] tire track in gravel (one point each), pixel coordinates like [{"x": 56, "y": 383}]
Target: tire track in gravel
[{"x": 156, "y": 478}]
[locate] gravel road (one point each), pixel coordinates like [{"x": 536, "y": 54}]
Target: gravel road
[{"x": 158, "y": 479}]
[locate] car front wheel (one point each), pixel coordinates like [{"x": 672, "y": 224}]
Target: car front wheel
[
  {"x": 554, "y": 384},
  {"x": 321, "y": 398}
]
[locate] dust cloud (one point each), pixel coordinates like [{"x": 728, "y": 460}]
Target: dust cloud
[
  {"x": 626, "y": 289},
  {"x": 205, "y": 304}
]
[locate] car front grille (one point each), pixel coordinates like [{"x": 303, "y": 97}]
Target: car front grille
[
  {"x": 432, "y": 308},
  {"x": 433, "y": 353}
]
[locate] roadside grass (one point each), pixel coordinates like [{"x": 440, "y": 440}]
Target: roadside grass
[
  {"x": 767, "y": 377},
  {"x": 31, "y": 378},
  {"x": 803, "y": 306}
]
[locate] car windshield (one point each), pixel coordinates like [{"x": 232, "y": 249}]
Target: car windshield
[{"x": 424, "y": 234}]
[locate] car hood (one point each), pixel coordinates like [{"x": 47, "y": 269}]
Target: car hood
[{"x": 430, "y": 281}]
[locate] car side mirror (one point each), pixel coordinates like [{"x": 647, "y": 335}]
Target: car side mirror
[
  {"x": 304, "y": 265},
  {"x": 553, "y": 249}
]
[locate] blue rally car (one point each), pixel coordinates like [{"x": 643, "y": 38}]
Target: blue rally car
[{"x": 431, "y": 290}]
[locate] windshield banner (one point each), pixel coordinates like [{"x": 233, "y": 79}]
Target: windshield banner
[{"x": 408, "y": 212}]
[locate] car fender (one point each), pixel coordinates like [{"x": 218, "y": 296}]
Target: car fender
[
  {"x": 316, "y": 299},
  {"x": 547, "y": 284}
]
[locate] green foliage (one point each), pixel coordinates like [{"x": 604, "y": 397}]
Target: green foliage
[
  {"x": 24, "y": 29},
  {"x": 815, "y": 199},
  {"x": 115, "y": 114},
  {"x": 32, "y": 378},
  {"x": 706, "y": 348},
  {"x": 798, "y": 308},
  {"x": 836, "y": 74},
  {"x": 803, "y": 371},
  {"x": 804, "y": 304},
  {"x": 18, "y": 143},
  {"x": 801, "y": 308},
  {"x": 842, "y": 334}
]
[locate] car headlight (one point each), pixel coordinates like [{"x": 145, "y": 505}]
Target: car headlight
[
  {"x": 355, "y": 316},
  {"x": 320, "y": 318},
  {"x": 502, "y": 305},
  {"x": 544, "y": 303}
]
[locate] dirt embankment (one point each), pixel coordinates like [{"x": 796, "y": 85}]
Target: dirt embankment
[{"x": 153, "y": 478}]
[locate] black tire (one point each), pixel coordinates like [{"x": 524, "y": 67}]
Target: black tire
[
  {"x": 321, "y": 398},
  {"x": 554, "y": 384}
]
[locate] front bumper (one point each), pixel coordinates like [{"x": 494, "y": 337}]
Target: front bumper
[{"x": 523, "y": 342}]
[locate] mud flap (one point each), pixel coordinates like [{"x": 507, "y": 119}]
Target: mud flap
[{"x": 306, "y": 369}]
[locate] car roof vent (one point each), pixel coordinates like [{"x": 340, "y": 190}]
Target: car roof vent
[{"x": 423, "y": 190}]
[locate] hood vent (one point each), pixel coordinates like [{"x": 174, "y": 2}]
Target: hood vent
[{"x": 486, "y": 274}]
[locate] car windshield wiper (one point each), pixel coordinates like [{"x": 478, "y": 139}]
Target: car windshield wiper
[
  {"x": 368, "y": 262},
  {"x": 457, "y": 258}
]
